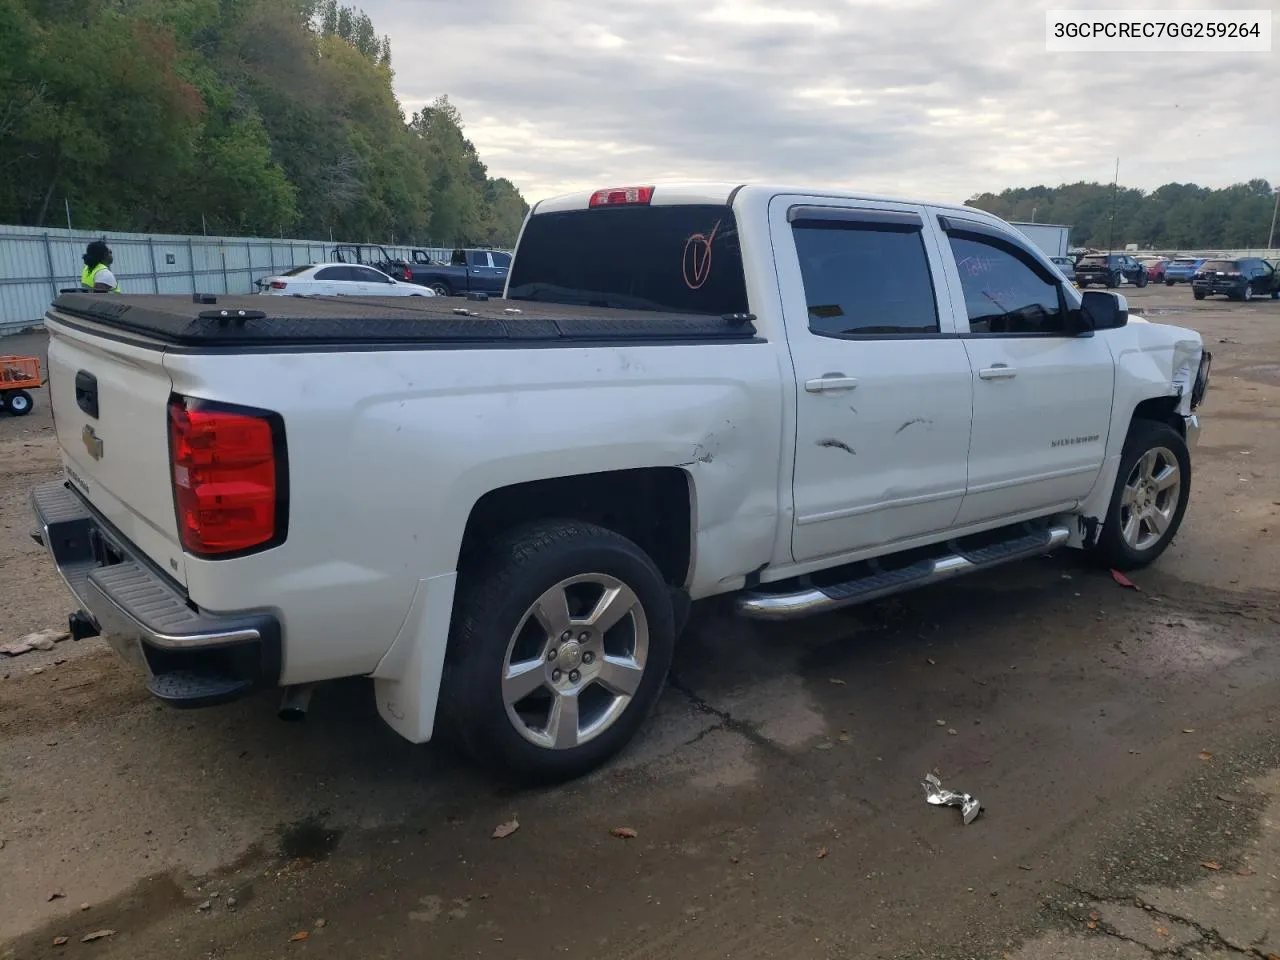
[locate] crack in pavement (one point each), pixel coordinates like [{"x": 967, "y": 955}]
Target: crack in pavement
[
  {"x": 1209, "y": 937},
  {"x": 727, "y": 720}
]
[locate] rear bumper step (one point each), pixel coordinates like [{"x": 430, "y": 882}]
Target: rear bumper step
[
  {"x": 194, "y": 658},
  {"x": 810, "y": 600}
]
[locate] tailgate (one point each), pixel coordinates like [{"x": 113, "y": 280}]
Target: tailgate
[{"x": 110, "y": 407}]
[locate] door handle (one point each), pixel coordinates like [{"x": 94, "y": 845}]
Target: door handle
[
  {"x": 830, "y": 383},
  {"x": 998, "y": 371}
]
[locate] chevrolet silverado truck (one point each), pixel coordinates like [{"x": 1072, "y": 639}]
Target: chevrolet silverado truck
[
  {"x": 468, "y": 271},
  {"x": 500, "y": 511}
]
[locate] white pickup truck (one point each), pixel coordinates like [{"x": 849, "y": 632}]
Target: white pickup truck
[{"x": 499, "y": 510}]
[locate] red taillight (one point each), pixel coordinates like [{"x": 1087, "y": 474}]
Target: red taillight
[
  {"x": 621, "y": 196},
  {"x": 278, "y": 284},
  {"x": 408, "y": 274},
  {"x": 227, "y": 485}
]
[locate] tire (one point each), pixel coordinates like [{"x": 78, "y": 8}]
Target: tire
[
  {"x": 1247, "y": 293},
  {"x": 1142, "y": 280},
  {"x": 441, "y": 288},
  {"x": 1113, "y": 281},
  {"x": 18, "y": 402},
  {"x": 1140, "y": 478},
  {"x": 1168, "y": 282},
  {"x": 495, "y": 626},
  {"x": 1198, "y": 294}
]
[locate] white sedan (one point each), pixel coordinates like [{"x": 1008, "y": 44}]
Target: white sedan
[{"x": 339, "y": 280}]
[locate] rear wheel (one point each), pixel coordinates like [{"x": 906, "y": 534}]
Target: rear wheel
[
  {"x": 1198, "y": 294},
  {"x": 442, "y": 289},
  {"x": 1150, "y": 497},
  {"x": 1247, "y": 292},
  {"x": 1113, "y": 280},
  {"x": 562, "y": 640},
  {"x": 1168, "y": 282},
  {"x": 1141, "y": 281},
  {"x": 18, "y": 402}
]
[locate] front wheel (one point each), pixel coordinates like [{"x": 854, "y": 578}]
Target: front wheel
[
  {"x": 18, "y": 402},
  {"x": 1198, "y": 294},
  {"x": 562, "y": 640},
  {"x": 1150, "y": 497},
  {"x": 1246, "y": 293},
  {"x": 1113, "y": 281}
]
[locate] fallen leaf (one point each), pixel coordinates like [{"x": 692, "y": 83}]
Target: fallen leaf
[
  {"x": 1245, "y": 872},
  {"x": 1162, "y": 931},
  {"x": 60, "y": 941},
  {"x": 97, "y": 935},
  {"x": 1095, "y": 916},
  {"x": 1124, "y": 581},
  {"x": 1092, "y": 925},
  {"x": 941, "y": 723},
  {"x": 1206, "y": 755},
  {"x": 836, "y": 680},
  {"x": 1023, "y": 867},
  {"x": 321, "y": 923},
  {"x": 1228, "y": 798},
  {"x": 623, "y": 833},
  {"x": 1211, "y": 865},
  {"x": 844, "y": 736},
  {"x": 299, "y": 936},
  {"x": 952, "y": 731},
  {"x": 503, "y": 830},
  {"x": 822, "y": 854},
  {"x": 57, "y": 895}
]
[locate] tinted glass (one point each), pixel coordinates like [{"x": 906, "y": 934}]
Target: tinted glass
[
  {"x": 365, "y": 275},
  {"x": 502, "y": 260},
  {"x": 478, "y": 258},
  {"x": 680, "y": 259},
  {"x": 334, "y": 273},
  {"x": 865, "y": 279},
  {"x": 1225, "y": 266},
  {"x": 1098, "y": 260},
  {"x": 295, "y": 271},
  {"x": 1003, "y": 293}
]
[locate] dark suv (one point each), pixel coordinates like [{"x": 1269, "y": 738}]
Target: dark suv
[
  {"x": 1110, "y": 269},
  {"x": 1241, "y": 279}
]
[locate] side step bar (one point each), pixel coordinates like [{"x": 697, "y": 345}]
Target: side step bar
[{"x": 809, "y": 600}]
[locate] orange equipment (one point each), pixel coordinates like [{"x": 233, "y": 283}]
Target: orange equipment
[{"x": 17, "y": 376}]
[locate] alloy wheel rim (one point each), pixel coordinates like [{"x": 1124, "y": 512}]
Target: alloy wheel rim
[
  {"x": 575, "y": 661},
  {"x": 1150, "y": 498}
]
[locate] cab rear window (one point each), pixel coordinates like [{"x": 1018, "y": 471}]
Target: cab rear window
[
  {"x": 1225, "y": 266},
  {"x": 678, "y": 259}
]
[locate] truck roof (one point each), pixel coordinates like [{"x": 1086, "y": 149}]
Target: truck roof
[{"x": 722, "y": 191}]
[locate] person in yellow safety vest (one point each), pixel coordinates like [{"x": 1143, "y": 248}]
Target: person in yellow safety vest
[{"x": 97, "y": 275}]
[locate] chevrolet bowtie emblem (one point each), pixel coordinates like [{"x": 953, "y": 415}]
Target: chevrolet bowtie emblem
[{"x": 92, "y": 442}]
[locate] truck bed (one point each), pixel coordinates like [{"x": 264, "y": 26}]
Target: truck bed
[{"x": 262, "y": 321}]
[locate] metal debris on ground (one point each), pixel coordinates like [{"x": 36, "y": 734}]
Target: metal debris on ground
[{"x": 935, "y": 794}]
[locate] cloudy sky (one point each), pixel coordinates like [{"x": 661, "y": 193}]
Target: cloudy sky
[{"x": 939, "y": 99}]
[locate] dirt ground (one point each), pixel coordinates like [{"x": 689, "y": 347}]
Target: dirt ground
[{"x": 1123, "y": 743}]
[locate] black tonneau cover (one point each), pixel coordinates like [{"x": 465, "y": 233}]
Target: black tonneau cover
[{"x": 257, "y": 320}]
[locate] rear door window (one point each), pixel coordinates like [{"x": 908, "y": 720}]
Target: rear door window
[
  {"x": 334, "y": 273},
  {"x": 682, "y": 258}
]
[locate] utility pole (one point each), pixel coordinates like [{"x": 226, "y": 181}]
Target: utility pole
[
  {"x": 1033, "y": 214},
  {"x": 1271, "y": 237},
  {"x": 1111, "y": 225},
  {"x": 67, "y": 203}
]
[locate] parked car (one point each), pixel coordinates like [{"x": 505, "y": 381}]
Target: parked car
[
  {"x": 543, "y": 483},
  {"x": 1155, "y": 268},
  {"x": 468, "y": 271},
  {"x": 338, "y": 280},
  {"x": 1067, "y": 266},
  {"x": 1181, "y": 270},
  {"x": 1110, "y": 269},
  {"x": 1241, "y": 279}
]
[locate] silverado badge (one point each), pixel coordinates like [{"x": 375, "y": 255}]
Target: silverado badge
[{"x": 92, "y": 442}]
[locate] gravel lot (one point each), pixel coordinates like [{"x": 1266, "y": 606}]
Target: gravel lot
[{"x": 1123, "y": 743}]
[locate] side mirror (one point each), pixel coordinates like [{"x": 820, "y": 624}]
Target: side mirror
[{"x": 1104, "y": 311}]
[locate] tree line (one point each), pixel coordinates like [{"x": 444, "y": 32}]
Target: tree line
[
  {"x": 1173, "y": 216},
  {"x": 263, "y": 117}
]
